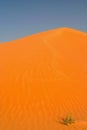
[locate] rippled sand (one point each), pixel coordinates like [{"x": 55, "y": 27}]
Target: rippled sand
[{"x": 43, "y": 77}]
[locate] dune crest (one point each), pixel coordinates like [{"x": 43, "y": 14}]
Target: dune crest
[{"x": 43, "y": 77}]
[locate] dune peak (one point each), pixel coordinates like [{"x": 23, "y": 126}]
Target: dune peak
[{"x": 43, "y": 77}]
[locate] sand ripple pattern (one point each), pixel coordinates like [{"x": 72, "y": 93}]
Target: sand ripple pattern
[{"x": 42, "y": 78}]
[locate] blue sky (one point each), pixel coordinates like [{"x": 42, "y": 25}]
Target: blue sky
[{"x": 19, "y": 18}]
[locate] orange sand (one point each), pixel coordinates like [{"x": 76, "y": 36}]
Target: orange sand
[{"x": 43, "y": 77}]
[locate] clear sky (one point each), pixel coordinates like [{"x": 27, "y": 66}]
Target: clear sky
[{"x": 19, "y": 18}]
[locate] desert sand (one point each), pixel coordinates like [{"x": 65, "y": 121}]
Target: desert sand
[{"x": 43, "y": 78}]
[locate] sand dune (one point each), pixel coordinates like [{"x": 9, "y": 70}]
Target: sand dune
[{"x": 43, "y": 77}]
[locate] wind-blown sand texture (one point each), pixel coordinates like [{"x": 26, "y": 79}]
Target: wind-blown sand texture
[{"x": 43, "y": 77}]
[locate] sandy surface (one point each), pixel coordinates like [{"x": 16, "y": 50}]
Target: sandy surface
[{"x": 43, "y": 78}]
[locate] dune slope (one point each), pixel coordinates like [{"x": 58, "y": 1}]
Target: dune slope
[{"x": 43, "y": 77}]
